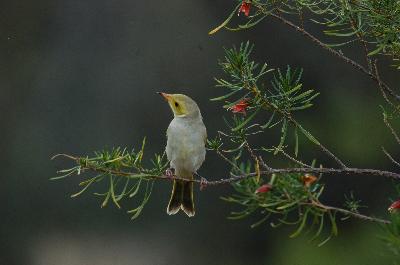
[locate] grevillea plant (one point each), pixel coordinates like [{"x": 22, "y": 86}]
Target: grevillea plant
[{"x": 262, "y": 100}]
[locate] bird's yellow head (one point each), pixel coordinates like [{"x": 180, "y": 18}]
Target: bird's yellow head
[{"x": 181, "y": 105}]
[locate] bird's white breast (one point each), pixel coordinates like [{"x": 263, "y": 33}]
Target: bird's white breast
[{"x": 186, "y": 143}]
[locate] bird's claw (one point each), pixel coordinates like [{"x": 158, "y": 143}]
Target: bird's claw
[
  {"x": 169, "y": 173},
  {"x": 203, "y": 183}
]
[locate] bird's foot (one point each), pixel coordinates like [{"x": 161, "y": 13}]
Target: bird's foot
[
  {"x": 169, "y": 173},
  {"x": 203, "y": 183}
]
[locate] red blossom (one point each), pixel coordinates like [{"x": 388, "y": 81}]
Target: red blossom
[
  {"x": 308, "y": 179},
  {"x": 240, "y": 107},
  {"x": 395, "y": 206},
  {"x": 244, "y": 8},
  {"x": 264, "y": 188}
]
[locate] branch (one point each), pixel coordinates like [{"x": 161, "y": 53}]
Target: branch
[
  {"x": 294, "y": 159},
  {"x": 329, "y": 153},
  {"x": 294, "y": 122},
  {"x": 390, "y": 157},
  {"x": 334, "y": 52},
  {"x": 356, "y": 171},
  {"x": 394, "y": 133},
  {"x": 347, "y": 212},
  {"x": 322, "y": 147},
  {"x": 234, "y": 178}
]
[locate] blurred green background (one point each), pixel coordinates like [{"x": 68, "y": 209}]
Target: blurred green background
[{"x": 79, "y": 76}]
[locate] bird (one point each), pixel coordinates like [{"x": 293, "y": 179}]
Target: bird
[{"x": 186, "y": 151}]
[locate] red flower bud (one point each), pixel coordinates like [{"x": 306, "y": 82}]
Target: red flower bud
[
  {"x": 264, "y": 188},
  {"x": 244, "y": 8},
  {"x": 308, "y": 179},
  {"x": 240, "y": 107},
  {"x": 395, "y": 206}
]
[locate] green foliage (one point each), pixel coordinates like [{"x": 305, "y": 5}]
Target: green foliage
[
  {"x": 289, "y": 202},
  {"x": 280, "y": 101},
  {"x": 243, "y": 71},
  {"x": 374, "y": 23},
  {"x": 391, "y": 235},
  {"x": 123, "y": 173},
  {"x": 352, "y": 204},
  {"x": 288, "y": 95}
]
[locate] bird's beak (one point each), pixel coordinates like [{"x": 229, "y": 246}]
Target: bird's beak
[{"x": 165, "y": 95}]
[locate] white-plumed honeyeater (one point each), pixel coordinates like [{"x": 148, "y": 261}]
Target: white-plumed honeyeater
[{"x": 186, "y": 139}]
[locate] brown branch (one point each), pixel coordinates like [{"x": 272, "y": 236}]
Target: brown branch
[
  {"x": 266, "y": 104},
  {"x": 390, "y": 157},
  {"x": 350, "y": 213},
  {"x": 294, "y": 159},
  {"x": 355, "y": 171},
  {"x": 294, "y": 122},
  {"x": 394, "y": 133},
  {"x": 323, "y": 148},
  {"x": 334, "y": 52},
  {"x": 375, "y": 68},
  {"x": 234, "y": 178},
  {"x": 86, "y": 165}
]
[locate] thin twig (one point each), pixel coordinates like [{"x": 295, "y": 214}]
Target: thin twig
[
  {"x": 263, "y": 164},
  {"x": 334, "y": 52},
  {"x": 394, "y": 133},
  {"x": 375, "y": 66},
  {"x": 332, "y": 155},
  {"x": 356, "y": 171},
  {"x": 295, "y": 123},
  {"x": 251, "y": 152},
  {"x": 294, "y": 159},
  {"x": 390, "y": 157},
  {"x": 347, "y": 212},
  {"x": 229, "y": 161},
  {"x": 321, "y": 146}
]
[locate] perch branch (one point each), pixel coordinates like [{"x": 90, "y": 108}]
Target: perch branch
[
  {"x": 234, "y": 178},
  {"x": 89, "y": 166}
]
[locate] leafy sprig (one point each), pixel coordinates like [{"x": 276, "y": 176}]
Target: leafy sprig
[
  {"x": 281, "y": 99},
  {"x": 110, "y": 167},
  {"x": 289, "y": 202},
  {"x": 375, "y": 23}
]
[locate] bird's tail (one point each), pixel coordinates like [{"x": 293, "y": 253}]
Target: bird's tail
[
  {"x": 181, "y": 197},
  {"x": 187, "y": 199}
]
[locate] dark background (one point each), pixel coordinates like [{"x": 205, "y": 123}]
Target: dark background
[{"x": 78, "y": 76}]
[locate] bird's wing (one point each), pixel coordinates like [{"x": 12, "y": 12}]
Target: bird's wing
[
  {"x": 204, "y": 129},
  {"x": 168, "y": 147}
]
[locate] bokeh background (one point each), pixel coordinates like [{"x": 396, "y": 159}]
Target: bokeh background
[{"x": 79, "y": 76}]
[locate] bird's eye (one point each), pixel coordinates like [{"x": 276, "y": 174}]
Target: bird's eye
[{"x": 176, "y": 104}]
